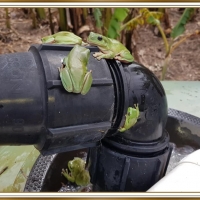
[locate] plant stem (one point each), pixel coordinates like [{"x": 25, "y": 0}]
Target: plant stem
[
  {"x": 85, "y": 14},
  {"x": 50, "y": 21},
  {"x": 165, "y": 65},
  {"x": 164, "y": 39},
  {"x": 167, "y": 48},
  {"x": 7, "y": 19},
  {"x": 33, "y": 16},
  {"x": 62, "y": 20},
  {"x": 107, "y": 18},
  {"x": 130, "y": 22},
  {"x": 41, "y": 13}
]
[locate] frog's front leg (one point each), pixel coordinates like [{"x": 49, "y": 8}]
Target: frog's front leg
[
  {"x": 97, "y": 54},
  {"x": 100, "y": 55},
  {"x": 69, "y": 177}
]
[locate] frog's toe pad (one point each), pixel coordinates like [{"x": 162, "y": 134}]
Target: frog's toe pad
[{"x": 64, "y": 171}]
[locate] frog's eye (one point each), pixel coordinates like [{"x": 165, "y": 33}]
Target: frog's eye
[{"x": 99, "y": 38}]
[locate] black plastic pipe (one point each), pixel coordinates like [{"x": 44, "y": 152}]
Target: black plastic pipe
[{"x": 35, "y": 109}]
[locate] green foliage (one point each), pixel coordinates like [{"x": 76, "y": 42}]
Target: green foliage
[
  {"x": 145, "y": 17},
  {"x": 98, "y": 17},
  {"x": 118, "y": 17},
  {"x": 106, "y": 19},
  {"x": 180, "y": 26},
  {"x": 41, "y": 13},
  {"x": 152, "y": 18},
  {"x": 62, "y": 19},
  {"x": 120, "y": 14},
  {"x": 178, "y": 30},
  {"x": 112, "y": 21}
]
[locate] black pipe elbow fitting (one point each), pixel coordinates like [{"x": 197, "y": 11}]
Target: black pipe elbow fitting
[{"x": 136, "y": 159}]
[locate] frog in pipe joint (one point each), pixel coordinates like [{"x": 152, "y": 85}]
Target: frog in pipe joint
[
  {"x": 63, "y": 37},
  {"x": 78, "y": 174},
  {"x": 131, "y": 118},
  {"x": 74, "y": 74},
  {"x": 110, "y": 48}
]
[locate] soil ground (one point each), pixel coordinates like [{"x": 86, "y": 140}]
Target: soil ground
[{"x": 184, "y": 63}]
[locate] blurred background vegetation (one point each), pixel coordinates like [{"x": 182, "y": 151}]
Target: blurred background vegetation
[{"x": 123, "y": 24}]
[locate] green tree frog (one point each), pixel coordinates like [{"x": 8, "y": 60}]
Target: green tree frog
[
  {"x": 131, "y": 118},
  {"x": 63, "y": 37},
  {"x": 110, "y": 48},
  {"x": 74, "y": 74},
  {"x": 78, "y": 174}
]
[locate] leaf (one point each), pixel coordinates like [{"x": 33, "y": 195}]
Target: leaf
[
  {"x": 97, "y": 17},
  {"x": 152, "y": 18},
  {"x": 133, "y": 23},
  {"x": 144, "y": 17},
  {"x": 120, "y": 14},
  {"x": 153, "y": 21},
  {"x": 113, "y": 28},
  {"x": 118, "y": 17},
  {"x": 180, "y": 26},
  {"x": 112, "y": 33}
]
